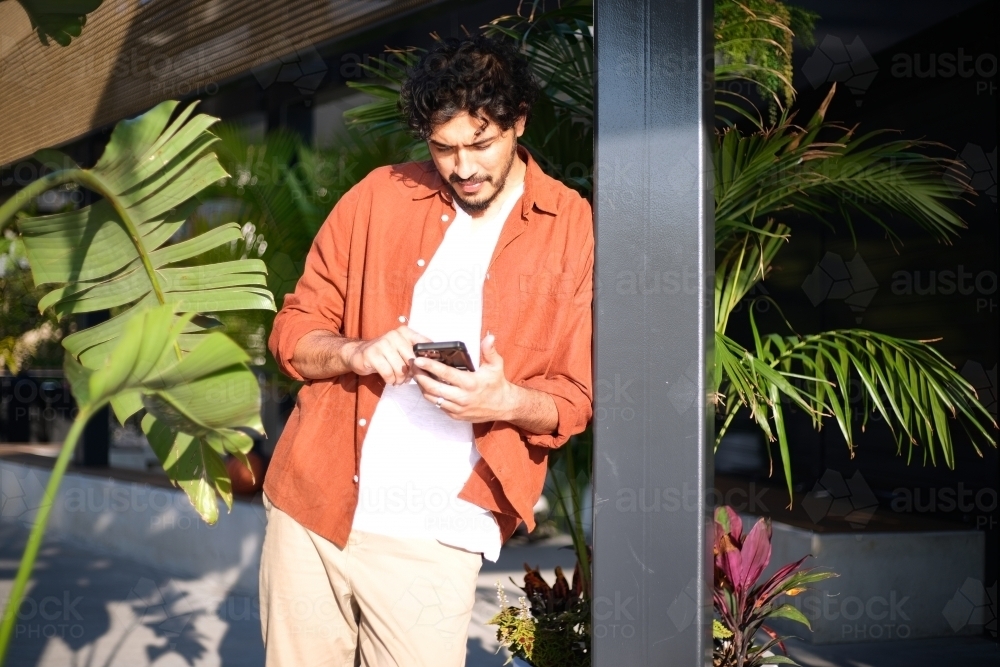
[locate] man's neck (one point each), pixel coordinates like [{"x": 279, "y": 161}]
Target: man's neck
[{"x": 514, "y": 178}]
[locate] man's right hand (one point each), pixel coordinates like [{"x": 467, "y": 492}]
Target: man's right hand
[
  {"x": 388, "y": 355},
  {"x": 322, "y": 354}
]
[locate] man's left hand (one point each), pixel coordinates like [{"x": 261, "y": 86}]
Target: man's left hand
[{"x": 481, "y": 396}]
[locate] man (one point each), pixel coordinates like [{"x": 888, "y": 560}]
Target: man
[{"x": 396, "y": 475}]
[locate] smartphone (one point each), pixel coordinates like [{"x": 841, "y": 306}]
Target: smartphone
[{"x": 452, "y": 353}]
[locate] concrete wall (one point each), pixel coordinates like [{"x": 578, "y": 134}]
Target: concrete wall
[
  {"x": 891, "y": 585},
  {"x": 147, "y": 524}
]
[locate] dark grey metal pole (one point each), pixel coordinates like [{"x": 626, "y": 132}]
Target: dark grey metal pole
[{"x": 653, "y": 422}]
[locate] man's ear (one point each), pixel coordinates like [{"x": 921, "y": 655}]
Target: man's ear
[{"x": 519, "y": 125}]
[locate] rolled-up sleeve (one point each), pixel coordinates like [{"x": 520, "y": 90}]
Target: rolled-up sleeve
[
  {"x": 318, "y": 300},
  {"x": 569, "y": 378}
]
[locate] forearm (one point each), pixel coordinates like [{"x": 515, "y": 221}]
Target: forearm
[
  {"x": 532, "y": 410},
  {"x": 320, "y": 355}
]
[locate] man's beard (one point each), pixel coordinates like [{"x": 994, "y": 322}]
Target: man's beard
[{"x": 480, "y": 206}]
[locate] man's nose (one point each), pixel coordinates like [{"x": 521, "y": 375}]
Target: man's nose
[{"x": 465, "y": 168}]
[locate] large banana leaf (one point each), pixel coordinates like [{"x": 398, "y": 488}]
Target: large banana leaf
[
  {"x": 114, "y": 254},
  {"x": 194, "y": 405}
]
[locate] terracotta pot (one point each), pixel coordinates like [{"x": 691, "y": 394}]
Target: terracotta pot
[{"x": 245, "y": 484}]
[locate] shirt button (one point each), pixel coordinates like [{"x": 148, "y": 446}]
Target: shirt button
[
  {"x": 444, "y": 218},
  {"x": 420, "y": 262},
  {"x": 402, "y": 318},
  {"x": 355, "y": 479},
  {"x": 362, "y": 422}
]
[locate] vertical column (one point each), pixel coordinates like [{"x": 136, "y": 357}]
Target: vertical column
[{"x": 653, "y": 422}]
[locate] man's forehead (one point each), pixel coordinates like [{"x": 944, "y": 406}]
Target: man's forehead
[{"x": 465, "y": 127}]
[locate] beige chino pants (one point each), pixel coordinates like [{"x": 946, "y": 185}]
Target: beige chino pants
[{"x": 378, "y": 602}]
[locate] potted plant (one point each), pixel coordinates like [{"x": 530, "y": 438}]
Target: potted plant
[
  {"x": 743, "y": 603},
  {"x": 550, "y": 626}
]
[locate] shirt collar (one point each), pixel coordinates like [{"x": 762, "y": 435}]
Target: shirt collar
[{"x": 537, "y": 190}]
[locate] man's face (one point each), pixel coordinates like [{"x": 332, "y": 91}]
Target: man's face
[{"x": 474, "y": 159}]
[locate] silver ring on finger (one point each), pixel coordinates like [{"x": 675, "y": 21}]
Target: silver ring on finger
[{"x": 437, "y": 403}]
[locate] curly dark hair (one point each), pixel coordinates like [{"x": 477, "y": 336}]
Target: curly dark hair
[{"x": 480, "y": 75}]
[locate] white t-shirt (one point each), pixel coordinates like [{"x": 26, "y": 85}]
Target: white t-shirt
[{"x": 416, "y": 458}]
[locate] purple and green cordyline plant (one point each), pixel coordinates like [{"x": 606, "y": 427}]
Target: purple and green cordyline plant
[{"x": 742, "y": 604}]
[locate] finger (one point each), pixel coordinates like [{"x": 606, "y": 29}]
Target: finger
[
  {"x": 379, "y": 365},
  {"x": 490, "y": 355},
  {"x": 401, "y": 362},
  {"x": 403, "y": 350},
  {"x": 432, "y": 390},
  {"x": 393, "y": 349},
  {"x": 429, "y": 385},
  {"x": 444, "y": 372},
  {"x": 413, "y": 337},
  {"x": 399, "y": 366}
]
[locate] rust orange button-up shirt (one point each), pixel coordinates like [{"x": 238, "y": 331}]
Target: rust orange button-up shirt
[{"x": 358, "y": 282}]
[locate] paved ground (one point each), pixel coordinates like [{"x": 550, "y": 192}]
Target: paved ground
[{"x": 89, "y": 610}]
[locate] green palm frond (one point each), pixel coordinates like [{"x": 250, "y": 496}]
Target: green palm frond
[
  {"x": 742, "y": 265},
  {"x": 382, "y": 117},
  {"x": 787, "y": 167},
  {"x": 559, "y": 45},
  {"x": 907, "y": 383}
]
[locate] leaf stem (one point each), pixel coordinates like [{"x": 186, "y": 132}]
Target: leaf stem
[
  {"x": 38, "y": 530},
  {"x": 23, "y": 197},
  {"x": 95, "y": 183}
]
